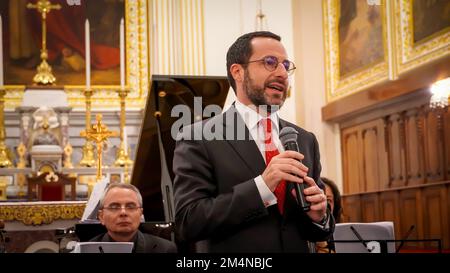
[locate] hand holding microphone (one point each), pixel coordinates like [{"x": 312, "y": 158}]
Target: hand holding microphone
[
  {"x": 288, "y": 137},
  {"x": 287, "y": 166},
  {"x": 310, "y": 197}
]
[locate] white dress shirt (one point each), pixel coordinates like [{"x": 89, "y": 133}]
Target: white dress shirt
[{"x": 252, "y": 121}]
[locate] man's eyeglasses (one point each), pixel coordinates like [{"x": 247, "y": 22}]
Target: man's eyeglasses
[
  {"x": 271, "y": 64},
  {"x": 117, "y": 208}
]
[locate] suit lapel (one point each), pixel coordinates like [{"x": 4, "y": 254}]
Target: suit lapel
[
  {"x": 281, "y": 123},
  {"x": 243, "y": 145}
]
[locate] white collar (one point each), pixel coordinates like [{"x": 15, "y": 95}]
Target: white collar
[{"x": 252, "y": 118}]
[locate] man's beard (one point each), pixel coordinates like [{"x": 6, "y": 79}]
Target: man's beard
[{"x": 258, "y": 97}]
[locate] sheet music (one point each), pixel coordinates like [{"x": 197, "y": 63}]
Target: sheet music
[
  {"x": 103, "y": 247},
  {"x": 92, "y": 206},
  {"x": 367, "y": 231}
]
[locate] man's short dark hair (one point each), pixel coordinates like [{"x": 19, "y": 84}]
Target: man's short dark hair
[{"x": 241, "y": 50}]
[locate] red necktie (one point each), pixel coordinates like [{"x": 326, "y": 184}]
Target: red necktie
[{"x": 271, "y": 151}]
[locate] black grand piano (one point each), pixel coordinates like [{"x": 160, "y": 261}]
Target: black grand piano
[{"x": 152, "y": 171}]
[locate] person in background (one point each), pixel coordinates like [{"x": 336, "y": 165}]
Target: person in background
[
  {"x": 120, "y": 212},
  {"x": 334, "y": 200}
]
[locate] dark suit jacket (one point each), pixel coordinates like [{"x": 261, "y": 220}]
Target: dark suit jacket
[
  {"x": 144, "y": 243},
  {"x": 216, "y": 198}
]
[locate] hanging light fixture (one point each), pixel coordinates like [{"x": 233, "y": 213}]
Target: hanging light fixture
[{"x": 440, "y": 92}]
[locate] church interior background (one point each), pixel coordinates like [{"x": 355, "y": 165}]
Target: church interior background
[{"x": 381, "y": 140}]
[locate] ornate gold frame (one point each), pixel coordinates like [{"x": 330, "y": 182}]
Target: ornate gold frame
[
  {"x": 37, "y": 213},
  {"x": 364, "y": 77},
  {"x": 137, "y": 68},
  {"x": 410, "y": 55}
]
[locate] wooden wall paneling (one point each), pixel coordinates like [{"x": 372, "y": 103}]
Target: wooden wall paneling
[
  {"x": 370, "y": 207},
  {"x": 364, "y": 153},
  {"x": 374, "y": 155},
  {"x": 434, "y": 148},
  {"x": 447, "y": 189},
  {"x": 396, "y": 150},
  {"x": 352, "y": 167},
  {"x": 447, "y": 143},
  {"x": 351, "y": 208},
  {"x": 414, "y": 147},
  {"x": 436, "y": 214},
  {"x": 411, "y": 215},
  {"x": 396, "y": 166},
  {"x": 389, "y": 207},
  {"x": 370, "y": 163}
]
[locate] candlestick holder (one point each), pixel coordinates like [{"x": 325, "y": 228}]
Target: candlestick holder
[
  {"x": 122, "y": 158},
  {"x": 5, "y": 162},
  {"x": 68, "y": 156},
  {"x": 21, "y": 164},
  {"x": 44, "y": 71},
  {"x": 87, "y": 160}
]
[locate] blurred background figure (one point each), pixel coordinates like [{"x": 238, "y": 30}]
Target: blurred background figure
[{"x": 334, "y": 201}]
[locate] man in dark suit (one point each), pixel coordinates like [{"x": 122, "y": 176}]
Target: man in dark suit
[
  {"x": 121, "y": 212},
  {"x": 230, "y": 190}
]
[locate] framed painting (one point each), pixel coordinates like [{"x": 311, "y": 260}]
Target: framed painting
[
  {"x": 356, "y": 45},
  {"x": 422, "y": 31},
  {"x": 22, "y": 28}
]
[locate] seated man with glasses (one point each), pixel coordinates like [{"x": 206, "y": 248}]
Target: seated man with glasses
[{"x": 120, "y": 212}]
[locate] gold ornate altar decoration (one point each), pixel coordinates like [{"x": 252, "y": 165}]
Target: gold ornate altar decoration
[{"x": 39, "y": 214}]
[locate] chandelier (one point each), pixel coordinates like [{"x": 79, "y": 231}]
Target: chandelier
[{"x": 440, "y": 92}]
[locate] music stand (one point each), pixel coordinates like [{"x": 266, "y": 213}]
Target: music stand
[
  {"x": 103, "y": 247},
  {"x": 376, "y": 237}
]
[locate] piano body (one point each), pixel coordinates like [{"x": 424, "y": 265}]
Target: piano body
[{"x": 152, "y": 172}]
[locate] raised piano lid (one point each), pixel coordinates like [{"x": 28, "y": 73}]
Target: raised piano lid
[{"x": 165, "y": 93}]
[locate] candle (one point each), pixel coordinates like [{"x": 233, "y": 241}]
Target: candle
[
  {"x": 88, "y": 54},
  {"x": 122, "y": 54},
  {"x": 1, "y": 53}
]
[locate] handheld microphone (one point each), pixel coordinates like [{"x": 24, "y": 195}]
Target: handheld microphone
[{"x": 288, "y": 137}]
